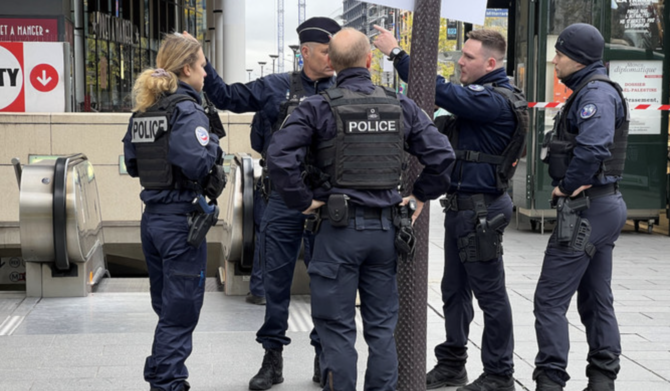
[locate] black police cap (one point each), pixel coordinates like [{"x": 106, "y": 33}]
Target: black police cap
[
  {"x": 582, "y": 43},
  {"x": 317, "y": 29}
]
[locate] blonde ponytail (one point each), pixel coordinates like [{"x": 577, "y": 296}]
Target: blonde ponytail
[{"x": 176, "y": 51}]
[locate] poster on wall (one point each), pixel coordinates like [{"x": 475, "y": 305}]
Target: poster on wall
[{"x": 642, "y": 83}]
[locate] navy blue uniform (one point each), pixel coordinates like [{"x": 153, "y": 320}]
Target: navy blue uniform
[
  {"x": 281, "y": 229},
  {"x": 176, "y": 269},
  {"x": 487, "y": 123},
  {"x": 566, "y": 271},
  {"x": 368, "y": 260}
]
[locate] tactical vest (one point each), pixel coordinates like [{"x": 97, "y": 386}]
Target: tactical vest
[
  {"x": 367, "y": 151},
  {"x": 506, "y": 162},
  {"x": 151, "y": 138},
  {"x": 293, "y": 98},
  {"x": 561, "y": 142}
]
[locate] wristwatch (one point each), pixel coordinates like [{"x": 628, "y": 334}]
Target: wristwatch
[{"x": 395, "y": 52}]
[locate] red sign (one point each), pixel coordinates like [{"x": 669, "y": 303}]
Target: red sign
[
  {"x": 44, "y": 77},
  {"x": 28, "y": 30}
]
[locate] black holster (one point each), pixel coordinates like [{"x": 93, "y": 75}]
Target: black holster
[
  {"x": 201, "y": 221},
  {"x": 405, "y": 239},
  {"x": 485, "y": 244},
  {"x": 338, "y": 210},
  {"x": 572, "y": 230},
  {"x": 313, "y": 222}
]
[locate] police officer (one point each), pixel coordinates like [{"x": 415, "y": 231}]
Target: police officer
[
  {"x": 169, "y": 147},
  {"x": 355, "y": 135},
  {"x": 281, "y": 231},
  {"x": 586, "y": 154},
  {"x": 488, "y": 133}
]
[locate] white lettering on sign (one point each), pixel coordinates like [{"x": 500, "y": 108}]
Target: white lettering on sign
[
  {"x": 11, "y": 78},
  {"x": 371, "y": 126},
  {"x": 145, "y": 129}
]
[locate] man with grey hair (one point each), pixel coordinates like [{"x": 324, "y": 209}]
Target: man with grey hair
[{"x": 352, "y": 138}]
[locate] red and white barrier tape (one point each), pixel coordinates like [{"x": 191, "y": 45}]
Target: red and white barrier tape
[{"x": 555, "y": 105}]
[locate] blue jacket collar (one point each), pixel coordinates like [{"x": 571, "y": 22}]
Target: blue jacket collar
[
  {"x": 497, "y": 76},
  {"x": 358, "y": 77},
  {"x": 326, "y": 81},
  {"x": 183, "y": 88},
  {"x": 576, "y": 79}
]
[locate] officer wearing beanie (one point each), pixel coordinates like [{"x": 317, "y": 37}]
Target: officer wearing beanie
[
  {"x": 586, "y": 153},
  {"x": 273, "y": 97}
]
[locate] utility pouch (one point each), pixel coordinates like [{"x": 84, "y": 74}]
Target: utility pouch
[
  {"x": 338, "y": 210},
  {"x": 201, "y": 221},
  {"x": 559, "y": 156},
  {"x": 215, "y": 182},
  {"x": 313, "y": 222}
]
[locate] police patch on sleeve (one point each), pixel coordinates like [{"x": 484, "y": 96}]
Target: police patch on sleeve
[
  {"x": 202, "y": 135},
  {"x": 476, "y": 87},
  {"x": 588, "y": 111}
]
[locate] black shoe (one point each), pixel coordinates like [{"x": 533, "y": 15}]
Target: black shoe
[
  {"x": 270, "y": 372},
  {"x": 443, "y": 375},
  {"x": 317, "y": 371},
  {"x": 184, "y": 387},
  {"x": 599, "y": 382},
  {"x": 544, "y": 383},
  {"x": 487, "y": 382},
  {"x": 253, "y": 299}
]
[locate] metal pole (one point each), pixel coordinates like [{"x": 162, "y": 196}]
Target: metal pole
[
  {"x": 273, "y": 57},
  {"x": 295, "y": 56},
  {"x": 261, "y": 63},
  {"x": 249, "y": 70},
  {"x": 413, "y": 276}
]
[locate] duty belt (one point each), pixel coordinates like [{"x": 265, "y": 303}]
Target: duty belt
[
  {"x": 602, "y": 191},
  {"x": 458, "y": 202},
  {"x": 368, "y": 212}
]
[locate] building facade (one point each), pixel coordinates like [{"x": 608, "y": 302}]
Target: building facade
[{"x": 111, "y": 41}]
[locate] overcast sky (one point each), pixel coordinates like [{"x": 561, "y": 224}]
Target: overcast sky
[{"x": 261, "y": 29}]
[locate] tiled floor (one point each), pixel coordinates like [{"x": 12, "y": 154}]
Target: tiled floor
[{"x": 100, "y": 342}]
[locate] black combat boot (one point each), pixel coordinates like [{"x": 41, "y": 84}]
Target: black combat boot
[
  {"x": 443, "y": 375},
  {"x": 598, "y": 381},
  {"x": 544, "y": 383},
  {"x": 270, "y": 372},
  {"x": 487, "y": 382},
  {"x": 317, "y": 371}
]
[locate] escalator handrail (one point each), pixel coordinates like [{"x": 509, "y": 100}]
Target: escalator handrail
[{"x": 59, "y": 208}]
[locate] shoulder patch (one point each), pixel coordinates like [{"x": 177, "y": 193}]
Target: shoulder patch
[
  {"x": 476, "y": 87},
  {"x": 588, "y": 111},
  {"x": 202, "y": 135}
]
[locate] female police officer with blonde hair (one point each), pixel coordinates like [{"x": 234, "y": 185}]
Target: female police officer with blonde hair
[{"x": 169, "y": 147}]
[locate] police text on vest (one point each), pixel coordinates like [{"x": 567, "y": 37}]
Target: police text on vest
[{"x": 145, "y": 129}]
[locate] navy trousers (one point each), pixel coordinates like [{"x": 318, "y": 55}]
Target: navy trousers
[
  {"x": 281, "y": 235},
  {"x": 177, "y": 278},
  {"x": 256, "y": 281},
  {"x": 566, "y": 271},
  {"x": 487, "y": 281},
  {"x": 360, "y": 256}
]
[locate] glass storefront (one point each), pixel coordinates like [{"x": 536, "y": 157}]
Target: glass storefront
[{"x": 122, "y": 39}]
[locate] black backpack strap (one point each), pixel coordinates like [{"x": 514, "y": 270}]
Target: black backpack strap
[
  {"x": 297, "y": 89},
  {"x": 169, "y": 102}
]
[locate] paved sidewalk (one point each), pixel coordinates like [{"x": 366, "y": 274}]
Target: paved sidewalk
[{"x": 100, "y": 342}]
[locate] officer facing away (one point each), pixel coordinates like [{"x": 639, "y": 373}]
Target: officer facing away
[
  {"x": 169, "y": 147},
  {"x": 354, "y": 136},
  {"x": 281, "y": 231},
  {"x": 488, "y": 134},
  {"x": 586, "y": 154}
]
